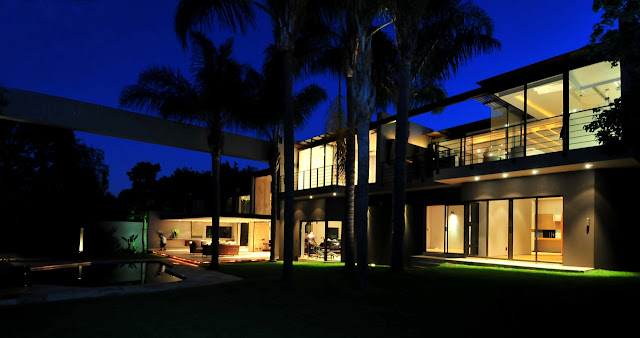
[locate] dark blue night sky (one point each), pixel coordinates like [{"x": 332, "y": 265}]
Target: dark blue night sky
[{"x": 90, "y": 50}]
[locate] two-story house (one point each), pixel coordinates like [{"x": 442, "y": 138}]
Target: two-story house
[{"x": 526, "y": 183}]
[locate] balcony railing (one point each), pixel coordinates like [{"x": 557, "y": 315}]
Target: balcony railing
[
  {"x": 315, "y": 178},
  {"x": 539, "y": 137}
]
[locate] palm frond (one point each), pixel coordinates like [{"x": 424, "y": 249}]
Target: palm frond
[
  {"x": 198, "y": 15},
  {"x": 336, "y": 125},
  {"x": 163, "y": 91},
  {"x": 306, "y": 101}
]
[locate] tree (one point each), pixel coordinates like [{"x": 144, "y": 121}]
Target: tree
[
  {"x": 51, "y": 184},
  {"x": 270, "y": 123},
  {"x": 288, "y": 17},
  {"x": 3, "y": 98},
  {"x": 220, "y": 89},
  {"x": 619, "y": 46},
  {"x": 341, "y": 121},
  {"x": 358, "y": 20},
  {"x": 433, "y": 39},
  {"x": 143, "y": 174}
]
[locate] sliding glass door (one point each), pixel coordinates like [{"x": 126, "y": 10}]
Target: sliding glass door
[
  {"x": 528, "y": 229},
  {"x": 498, "y": 243},
  {"x": 445, "y": 229},
  {"x": 524, "y": 225}
]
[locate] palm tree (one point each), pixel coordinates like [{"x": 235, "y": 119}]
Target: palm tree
[
  {"x": 448, "y": 34},
  {"x": 354, "y": 33},
  {"x": 220, "y": 88},
  {"x": 358, "y": 18},
  {"x": 341, "y": 121},
  {"x": 270, "y": 122},
  {"x": 288, "y": 17}
]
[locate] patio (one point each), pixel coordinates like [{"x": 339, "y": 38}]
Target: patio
[{"x": 197, "y": 258}]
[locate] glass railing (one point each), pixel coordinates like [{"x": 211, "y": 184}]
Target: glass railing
[
  {"x": 539, "y": 137},
  {"x": 315, "y": 178},
  {"x": 578, "y": 137}
]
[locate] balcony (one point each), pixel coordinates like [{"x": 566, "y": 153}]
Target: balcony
[
  {"x": 512, "y": 141},
  {"x": 315, "y": 178}
]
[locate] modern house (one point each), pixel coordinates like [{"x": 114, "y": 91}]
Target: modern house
[
  {"x": 245, "y": 221},
  {"x": 527, "y": 183}
]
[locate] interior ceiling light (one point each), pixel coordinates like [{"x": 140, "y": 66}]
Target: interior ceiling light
[
  {"x": 535, "y": 106},
  {"x": 549, "y": 88}
]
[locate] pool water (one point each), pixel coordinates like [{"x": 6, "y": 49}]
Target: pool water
[{"x": 106, "y": 274}]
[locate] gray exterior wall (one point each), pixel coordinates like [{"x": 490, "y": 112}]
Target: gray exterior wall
[
  {"x": 596, "y": 195},
  {"x": 616, "y": 213},
  {"x": 316, "y": 209},
  {"x": 117, "y": 230},
  {"x": 578, "y": 190}
]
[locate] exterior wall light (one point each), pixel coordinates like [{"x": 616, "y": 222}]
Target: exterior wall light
[
  {"x": 334, "y": 194},
  {"x": 310, "y": 197},
  {"x": 477, "y": 178},
  {"x": 588, "y": 165},
  {"x": 505, "y": 175},
  {"x": 535, "y": 171}
]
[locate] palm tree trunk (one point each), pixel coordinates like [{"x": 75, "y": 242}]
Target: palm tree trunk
[
  {"x": 362, "y": 201},
  {"x": 215, "y": 216},
  {"x": 287, "y": 96},
  {"x": 364, "y": 104},
  {"x": 348, "y": 223},
  {"x": 399, "y": 171},
  {"x": 274, "y": 199}
]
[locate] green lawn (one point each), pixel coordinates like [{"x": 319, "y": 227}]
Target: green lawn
[{"x": 324, "y": 302}]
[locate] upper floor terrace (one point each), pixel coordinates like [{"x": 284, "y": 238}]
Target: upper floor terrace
[{"x": 535, "y": 119}]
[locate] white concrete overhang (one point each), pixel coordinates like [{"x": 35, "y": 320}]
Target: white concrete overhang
[
  {"x": 223, "y": 219},
  {"x": 574, "y": 160},
  {"x": 38, "y": 108}
]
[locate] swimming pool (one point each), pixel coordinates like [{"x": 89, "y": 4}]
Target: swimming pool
[{"x": 105, "y": 274}]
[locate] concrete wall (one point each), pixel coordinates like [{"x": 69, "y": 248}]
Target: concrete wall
[
  {"x": 589, "y": 194},
  {"x": 317, "y": 209},
  {"x": 117, "y": 230},
  {"x": 617, "y": 228},
  {"x": 578, "y": 191},
  {"x": 379, "y": 232},
  {"x": 262, "y": 194}
]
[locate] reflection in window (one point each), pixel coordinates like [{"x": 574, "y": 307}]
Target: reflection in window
[
  {"x": 244, "y": 207},
  {"x": 590, "y": 87}
]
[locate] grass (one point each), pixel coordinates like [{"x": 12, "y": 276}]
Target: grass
[{"x": 323, "y": 301}]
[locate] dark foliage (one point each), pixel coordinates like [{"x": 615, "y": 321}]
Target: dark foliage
[
  {"x": 186, "y": 191},
  {"x": 50, "y": 186}
]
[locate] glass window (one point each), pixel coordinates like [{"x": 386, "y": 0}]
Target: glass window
[
  {"x": 498, "y": 229},
  {"x": 544, "y": 108},
  {"x": 304, "y": 166},
  {"x": 435, "y": 228},
  {"x": 478, "y": 229},
  {"x": 244, "y": 207},
  {"x": 590, "y": 87},
  {"x": 320, "y": 240},
  {"x": 455, "y": 228},
  {"x": 524, "y": 221},
  {"x": 549, "y": 231}
]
